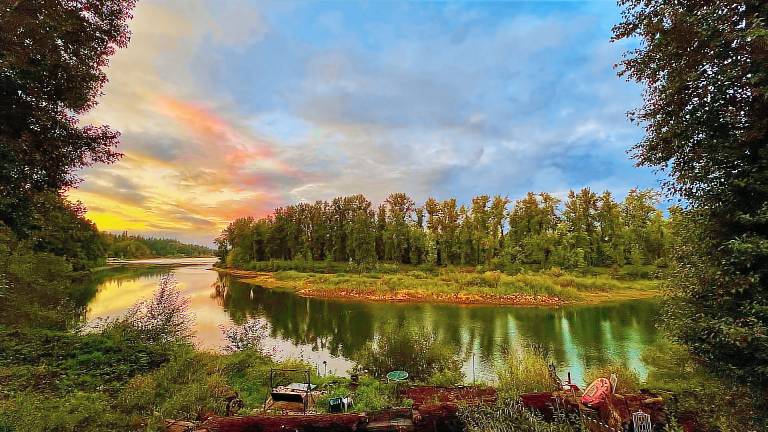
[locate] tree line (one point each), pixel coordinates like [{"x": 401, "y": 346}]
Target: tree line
[
  {"x": 585, "y": 229},
  {"x": 128, "y": 246}
]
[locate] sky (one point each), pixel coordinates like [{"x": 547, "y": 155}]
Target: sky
[{"x": 233, "y": 108}]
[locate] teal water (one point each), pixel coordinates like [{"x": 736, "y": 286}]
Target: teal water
[{"x": 319, "y": 330}]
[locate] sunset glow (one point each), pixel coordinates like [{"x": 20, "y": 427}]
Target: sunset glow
[{"x": 233, "y": 110}]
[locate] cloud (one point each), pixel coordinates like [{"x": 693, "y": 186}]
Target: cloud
[
  {"x": 115, "y": 185},
  {"x": 233, "y": 108},
  {"x": 186, "y": 155}
]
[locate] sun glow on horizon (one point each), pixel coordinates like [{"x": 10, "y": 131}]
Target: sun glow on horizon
[{"x": 235, "y": 109}]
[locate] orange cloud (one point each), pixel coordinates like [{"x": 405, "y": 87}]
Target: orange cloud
[
  {"x": 233, "y": 145},
  {"x": 216, "y": 172}
]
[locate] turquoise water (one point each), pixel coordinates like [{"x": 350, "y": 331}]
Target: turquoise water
[{"x": 319, "y": 330}]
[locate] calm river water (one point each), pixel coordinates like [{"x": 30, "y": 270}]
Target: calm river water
[{"x": 320, "y": 330}]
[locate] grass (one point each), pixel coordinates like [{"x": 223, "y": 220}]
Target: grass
[
  {"x": 60, "y": 381},
  {"x": 511, "y": 415},
  {"x": 460, "y": 285},
  {"x": 524, "y": 370}
]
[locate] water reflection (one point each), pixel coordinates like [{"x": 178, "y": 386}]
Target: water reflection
[
  {"x": 331, "y": 330},
  {"x": 577, "y": 337}
]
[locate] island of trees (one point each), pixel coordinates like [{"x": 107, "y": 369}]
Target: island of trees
[{"x": 541, "y": 230}]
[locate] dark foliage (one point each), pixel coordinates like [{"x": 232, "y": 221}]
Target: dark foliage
[
  {"x": 60, "y": 228},
  {"x": 705, "y": 68},
  {"x": 52, "y": 56}
]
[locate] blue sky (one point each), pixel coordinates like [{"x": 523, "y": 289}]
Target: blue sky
[{"x": 232, "y": 108}]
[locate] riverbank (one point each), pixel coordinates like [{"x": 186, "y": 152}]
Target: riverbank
[{"x": 546, "y": 288}]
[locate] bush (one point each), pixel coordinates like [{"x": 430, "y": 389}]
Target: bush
[
  {"x": 73, "y": 412},
  {"x": 555, "y": 272},
  {"x": 492, "y": 278},
  {"x": 446, "y": 378},
  {"x": 186, "y": 384},
  {"x": 248, "y": 336},
  {"x": 63, "y": 362},
  {"x": 415, "y": 351},
  {"x": 417, "y": 274},
  {"x": 163, "y": 318},
  {"x": 374, "y": 395},
  {"x": 387, "y": 268}
]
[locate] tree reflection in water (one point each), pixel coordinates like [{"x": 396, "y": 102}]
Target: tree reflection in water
[{"x": 577, "y": 337}]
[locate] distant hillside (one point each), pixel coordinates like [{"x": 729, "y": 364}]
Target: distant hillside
[{"x": 135, "y": 246}]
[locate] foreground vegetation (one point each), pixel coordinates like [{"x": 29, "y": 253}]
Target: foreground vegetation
[
  {"x": 391, "y": 283},
  {"x": 703, "y": 65}
]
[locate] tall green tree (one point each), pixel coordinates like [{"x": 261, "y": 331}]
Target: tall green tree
[
  {"x": 52, "y": 56},
  {"x": 611, "y": 231},
  {"x": 400, "y": 208},
  {"x": 362, "y": 231},
  {"x": 580, "y": 216},
  {"x": 704, "y": 66}
]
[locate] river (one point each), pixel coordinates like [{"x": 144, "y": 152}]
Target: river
[{"x": 324, "y": 330}]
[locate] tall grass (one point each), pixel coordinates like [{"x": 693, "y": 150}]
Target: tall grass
[
  {"x": 510, "y": 415},
  {"x": 448, "y": 282},
  {"x": 719, "y": 404},
  {"x": 524, "y": 370}
]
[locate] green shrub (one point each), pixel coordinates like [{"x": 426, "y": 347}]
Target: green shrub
[
  {"x": 417, "y": 274},
  {"x": 181, "y": 387},
  {"x": 492, "y": 278},
  {"x": 387, "y": 268},
  {"x": 446, "y": 378},
  {"x": 415, "y": 351},
  {"x": 374, "y": 395},
  {"x": 66, "y": 362},
  {"x": 291, "y": 275}
]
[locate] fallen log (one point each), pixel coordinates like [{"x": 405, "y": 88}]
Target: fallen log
[
  {"x": 429, "y": 395},
  {"x": 277, "y": 423}
]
